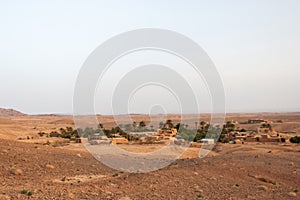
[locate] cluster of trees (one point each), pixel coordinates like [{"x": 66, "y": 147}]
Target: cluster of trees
[
  {"x": 195, "y": 134},
  {"x": 71, "y": 133},
  {"x": 203, "y": 129},
  {"x": 192, "y": 134},
  {"x": 100, "y": 129},
  {"x": 68, "y": 132},
  {"x": 137, "y": 127},
  {"x": 266, "y": 125}
]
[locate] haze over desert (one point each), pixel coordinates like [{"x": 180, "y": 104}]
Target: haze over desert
[{"x": 142, "y": 100}]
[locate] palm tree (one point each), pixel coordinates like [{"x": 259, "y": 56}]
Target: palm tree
[
  {"x": 127, "y": 127},
  {"x": 134, "y": 125},
  {"x": 202, "y": 123},
  {"x": 142, "y": 124},
  {"x": 161, "y": 124},
  {"x": 100, "y": 126},
  {"x": 69, "y": 129},
  {"x": 62, "y": 131},
  {"x": 169, "y": 123},
  {"x": 152, "y": 127}
]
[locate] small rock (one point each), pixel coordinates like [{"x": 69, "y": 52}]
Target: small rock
[
  {"x": 262, "y": 187},
  {"x": 291, "y": 164},
  {"x": 155, "y": 194},
  {"x": 251, "y": 197},
  {"x": 16, "y": 171},
  {"x": 71, "y": 196},
  {"x": 125, "y": 198},
  {"x": 197, "y": 189},
  {"x": 292, "y": 194},
  {"x": 50, "y": 166},
  {"x": 4, "y": 151}
]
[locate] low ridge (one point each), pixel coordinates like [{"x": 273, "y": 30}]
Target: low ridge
[{"x": 10, "y": 113}]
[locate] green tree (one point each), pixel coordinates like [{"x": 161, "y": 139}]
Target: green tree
[
  {"x": 62, "y": 131},
  {"x": 202, "y": 123},
  {"x": 69, "y": 129},
  {"x": 134, "y": 125},
  {"x": 161, "y": 124},
  {"x": 169, "y": 124},
  {"x": 127, "y": 127},
  {"x": 152, "y": 127},
  {"x": 142, "y": 124},
  {"x": 295, "y": 139},
  {"x": 230, "y": 126},
  {"x": 100, "y": 126},
  {"x": 265, "y": 125},
  {"x": 88, "y": 131},
  {"x": 178, "y": 126}
]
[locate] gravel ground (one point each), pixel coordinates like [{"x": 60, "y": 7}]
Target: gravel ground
[{"x": 30, "y": 171}]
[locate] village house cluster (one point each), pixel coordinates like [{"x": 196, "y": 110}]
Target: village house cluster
[
  {"x": 167, "y": 134},
  {"x": 162, "y": 136},
  {"x": 264, "y": 133}
]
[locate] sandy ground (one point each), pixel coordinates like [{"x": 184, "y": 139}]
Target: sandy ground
[
  {"x": 233, "y": 172},
  {"x": 249, "y": 171}
]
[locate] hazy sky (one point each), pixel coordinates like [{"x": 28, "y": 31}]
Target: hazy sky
[{"x": 254, "y": 44}]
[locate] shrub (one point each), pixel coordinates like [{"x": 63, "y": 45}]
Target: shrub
[
  {"x": 41, "y": 134},
  {"x": 26, "y": 192},
  {"x": 295, "y": 139},
  {"x": 23, "y": 191},
  {"x": 54, "y": 134},
  {"x": 30, "y": 193}
]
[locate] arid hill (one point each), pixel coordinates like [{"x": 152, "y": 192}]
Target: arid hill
[{"x": 10, "y": 113}]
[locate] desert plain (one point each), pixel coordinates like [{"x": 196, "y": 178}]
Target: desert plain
[{"x": 31, "y": 170}]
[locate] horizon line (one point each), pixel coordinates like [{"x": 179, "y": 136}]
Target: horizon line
[{"x": 97, "y": 114}]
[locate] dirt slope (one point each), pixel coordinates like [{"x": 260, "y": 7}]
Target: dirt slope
[{"x": 236, "y": 172}]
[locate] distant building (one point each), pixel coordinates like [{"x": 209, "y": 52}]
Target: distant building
[
  {"x": 119, "y": 140},
  {"x": 98, "y": 139},
  {"x": 207, "y": 141},
  {"x": 94, "y": 137},
  {"x": 256, "y": 121},
  {"x": 167, "y": 132},
  {"x": 261, "y": 136},
  {"x": 161, "y": 136}
]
